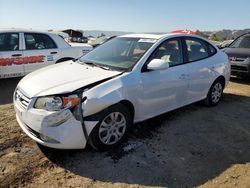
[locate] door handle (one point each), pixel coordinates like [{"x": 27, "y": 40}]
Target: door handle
[
  {"x": 53, "y": 52},
  {"x": 16, "y": 55}
]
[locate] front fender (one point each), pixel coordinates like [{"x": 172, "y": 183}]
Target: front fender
[
  {"x": 93, "y": 104},
  {"x": 102, "y": 96},
  {"x": 108, "y": 93}
]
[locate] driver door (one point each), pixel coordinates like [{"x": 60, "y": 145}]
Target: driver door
[{"x": 164, "y": 90}]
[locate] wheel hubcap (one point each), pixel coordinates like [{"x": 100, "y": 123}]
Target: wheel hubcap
[
  {"x": 112, "y": 128},
  {"x": 216, "y": 92}
]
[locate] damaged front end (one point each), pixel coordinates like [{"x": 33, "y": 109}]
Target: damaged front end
[
  {"x": 56, "y": 121},
  {"x": 78, "y": 112}
]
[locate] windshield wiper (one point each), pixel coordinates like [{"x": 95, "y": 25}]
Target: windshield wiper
[
  {"x": 105, "y": 67},
  {"x": 96, "y": 64}
]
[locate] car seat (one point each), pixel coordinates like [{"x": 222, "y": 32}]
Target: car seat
[
  {"x": 195, "y": 52},
  {"x": 170, "y": 54}
]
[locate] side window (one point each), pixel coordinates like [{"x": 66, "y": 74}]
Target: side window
[
  {"x": 196, "y": 49},
  {"x": 9, "y": 41},
  {"x": 34, "y": 41},
  {"x": 211, "y": 49},
  {"x": 170, "y": 51}
]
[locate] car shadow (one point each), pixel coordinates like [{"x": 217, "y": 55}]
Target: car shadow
[
  {"x": 240, "y": 80},
  {"x": 183, "y": 148},
  {"x": 7, "y": 88}
]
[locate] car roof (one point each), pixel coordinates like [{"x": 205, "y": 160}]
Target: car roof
[
  {"x": 157, "y": 36},
  {"x": 24, "y": 30},
  {"x": 167, "y": 35},
  {"x": 150, "y": 36},
  {"x": 245, "y": 34}
]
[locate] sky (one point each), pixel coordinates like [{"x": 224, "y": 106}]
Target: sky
[{"x": 125, "y": 15}]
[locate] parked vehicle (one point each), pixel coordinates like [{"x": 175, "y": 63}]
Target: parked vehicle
[
  {"x": 23, "y": 51},
  {"x": 216, "y": 43},
  {"x": 225, "y": 44},
  {"x": 239, "y": 54},
  {"x": 128, "y": 79},
  {"x": 100, "y": 40}
]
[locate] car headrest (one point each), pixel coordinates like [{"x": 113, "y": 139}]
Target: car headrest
[
  {"x": 170, "y": 46},
  {"x": 195, "y": 47}
]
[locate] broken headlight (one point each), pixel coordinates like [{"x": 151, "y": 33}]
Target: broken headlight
[
  {"x": 49, "y": 103},
  {"x": 56, "y": 103}
]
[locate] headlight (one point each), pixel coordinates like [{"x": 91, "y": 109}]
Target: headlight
[
  {"x": 55, "y": 103},
  {"x": 49, "y": 103}
]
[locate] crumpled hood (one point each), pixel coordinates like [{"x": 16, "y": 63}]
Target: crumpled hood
[{"x": 62, "y": 78}]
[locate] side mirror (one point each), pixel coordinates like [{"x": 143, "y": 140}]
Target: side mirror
[{"x": 157, "y": 64}]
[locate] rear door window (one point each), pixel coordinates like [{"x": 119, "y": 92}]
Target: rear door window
[
  {"x": 196, "y": 49},
  {"x": 9, "y": 41},
  {"x": 35, "y": 41}
]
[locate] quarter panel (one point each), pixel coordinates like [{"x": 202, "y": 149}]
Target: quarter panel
[{"x": 203, "y": 73}]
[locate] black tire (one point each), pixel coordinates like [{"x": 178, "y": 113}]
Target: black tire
[
  {"x": 96, "y": 139},
  {"x": 210, "y": 100}
]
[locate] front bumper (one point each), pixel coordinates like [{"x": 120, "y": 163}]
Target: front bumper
[
  {"x": 240, "y": 68},
  {"x": 58, "y": 130}
]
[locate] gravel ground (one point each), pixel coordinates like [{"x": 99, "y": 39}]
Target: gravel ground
[{"x": 189, "y": 147}]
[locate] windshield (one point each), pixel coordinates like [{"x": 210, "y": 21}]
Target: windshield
[
  {"x": 241, "y": 42},
  {"x": 121, "y": 53}
]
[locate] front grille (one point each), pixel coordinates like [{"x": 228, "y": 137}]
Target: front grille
[
  {"x": 237, "y": 59},
  {"x": 240, "y": 59},
  {"x": 240, "y": 68},
  {"x": 21, "y": 99}
]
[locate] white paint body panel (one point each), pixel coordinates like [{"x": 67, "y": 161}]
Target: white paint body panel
[
  {"x": 151, "y": 93},
  {"x": 7, "y": 71},
  {"x": 51, "y": 56},
  {"x": 62, "y": 78}
]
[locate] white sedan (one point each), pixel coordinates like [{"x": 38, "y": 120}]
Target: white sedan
[
  {"x": 128, "y": 79},
  {"x": 23, "y": 51}
]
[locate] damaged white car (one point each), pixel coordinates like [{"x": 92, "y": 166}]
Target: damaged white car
[{"x": 131, "y": 78}]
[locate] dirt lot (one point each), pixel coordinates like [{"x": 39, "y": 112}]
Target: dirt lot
[{"x": 190, "y": 147}]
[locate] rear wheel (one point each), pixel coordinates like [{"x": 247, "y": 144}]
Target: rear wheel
[
  {"x": 111, "y": 129},
  {"x": 215, "y": 93}
]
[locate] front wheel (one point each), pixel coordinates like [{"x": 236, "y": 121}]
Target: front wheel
[
  {"x": 215, "y": 93},
  {"x": 111, "y": 129}
]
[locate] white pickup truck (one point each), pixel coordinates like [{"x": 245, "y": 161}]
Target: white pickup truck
[{"x": 23, "y": 51}]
